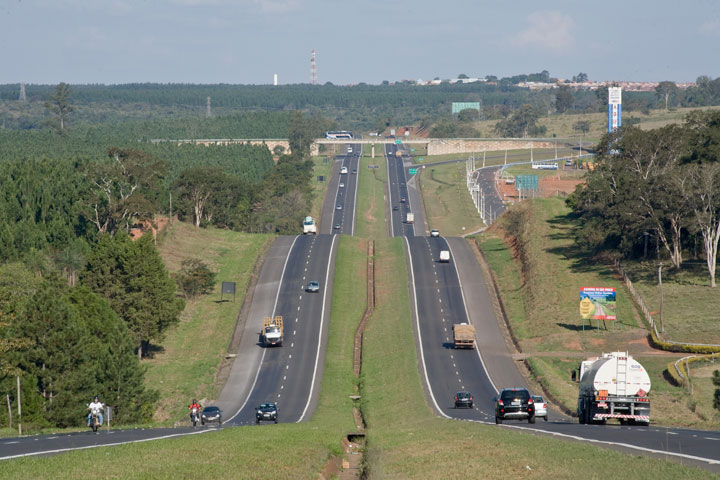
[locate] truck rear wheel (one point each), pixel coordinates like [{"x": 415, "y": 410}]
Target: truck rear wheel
[
  {"x": 498, "y": 420},
  {"x": 531, "y": 419}
]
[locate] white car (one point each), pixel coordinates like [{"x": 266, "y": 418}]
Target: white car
[
  {"x": 342, "y": 184},
  {"x": 434, "y": 232},
  {"x": 540, "y": 407},
  {"x": 343, "y": 170},
  {"x": 349, "y": 149}
]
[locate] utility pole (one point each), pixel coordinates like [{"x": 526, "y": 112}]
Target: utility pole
[
  {"x": 208, "y": 111},
  {"x": 662, "y": 325},
  {"x": 23, "y": 95},
  {"x": 313, "y": 69},
  {"x": 19, "y": 407}
]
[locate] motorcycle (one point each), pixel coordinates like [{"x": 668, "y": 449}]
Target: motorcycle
[
  {"x": 95, "y": 419},
  {"x": 194, "y": 416}
]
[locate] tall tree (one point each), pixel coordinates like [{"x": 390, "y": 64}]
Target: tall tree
[
  {"x": 132, "y": 277},
  {"x": 705, "y": 201},
  {"x": 522, "y": 123},
  {"x": 59, "y": 105},
  {"x": 123, "y": 188},
  {"x": 666, "y": 90},
  {"x": 563, "y": 99}
]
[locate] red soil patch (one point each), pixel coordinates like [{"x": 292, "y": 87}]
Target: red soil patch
[{"x": 138, "y": 231}]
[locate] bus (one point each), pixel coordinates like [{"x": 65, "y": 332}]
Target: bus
[{"x": 339, "y": 135}]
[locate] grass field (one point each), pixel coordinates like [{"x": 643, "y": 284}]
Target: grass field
[
  {"x": 406, "y": 440},
  {"x": 298, "y": 451},
  {"x": 320, "y": 168},
  {"x": 370, "y": 211},
  {"x": 448, "y": 205},
  {"x": 192, "y": 350},
  {"x": 544, "y": 317}
]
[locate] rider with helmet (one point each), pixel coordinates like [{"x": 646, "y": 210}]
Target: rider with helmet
[{"x": 95, "y": 406}]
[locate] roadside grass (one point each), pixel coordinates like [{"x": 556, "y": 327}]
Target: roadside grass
[
  {"x": 690, "y": 306},
  {"x": 188, "y": 359},
  {"x": 406, "y": 440},
  {"x": 448, "y": 205},
  {"x": 320, "y": 168},
  {"x": 542, "y": 306},
  {"x": 283, "y": 451},
  {"x": 370, "y": 211}
]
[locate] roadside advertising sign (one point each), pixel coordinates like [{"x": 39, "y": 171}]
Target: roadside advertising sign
[{"x": 598, "y": 303}]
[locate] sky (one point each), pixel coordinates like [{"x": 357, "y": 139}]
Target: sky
[{"x": 247, "y": 41}]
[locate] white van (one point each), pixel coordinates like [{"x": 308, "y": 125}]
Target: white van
[{"x": 343, "y": 170}]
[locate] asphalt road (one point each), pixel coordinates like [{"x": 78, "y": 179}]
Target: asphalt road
[
  {"x": 343, "y": 218},
  {"x": 402, "y": 199},
  {"x": 447, "y": 293},
  {"x": 290, "y": 374}
]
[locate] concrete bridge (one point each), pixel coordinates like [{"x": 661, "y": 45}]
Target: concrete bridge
[{"x": 434, "y": 146}]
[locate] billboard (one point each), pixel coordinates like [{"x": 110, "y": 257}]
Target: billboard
[
  {"x": 458, "y": 107},
  {"x": 614, "y": 108},
  {"x": 598, "y": 303}
]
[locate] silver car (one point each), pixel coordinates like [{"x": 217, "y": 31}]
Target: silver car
[{"x": 540, "y": 406}]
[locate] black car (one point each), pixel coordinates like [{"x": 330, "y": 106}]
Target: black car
[
  {"x": 514, "y": 404},
  {"x": 211, "y": 414},
  {"x": 395, "y": 208},
  {"x": 266, "y": 412},
  {"x": 463, "y": 399}
]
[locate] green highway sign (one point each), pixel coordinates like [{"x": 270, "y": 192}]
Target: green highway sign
[
  {"x": 420, "y": 159},
  {"x": 398, "y": 141},
  {"x": 412, "y": 149},
  {"x": 412, "y": 171}
]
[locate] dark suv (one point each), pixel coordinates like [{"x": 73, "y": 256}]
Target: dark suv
[
  {"x": 267, "y": 412},
  {"x": 515, "y": 404},
  {"x": 463, "y": 399}
]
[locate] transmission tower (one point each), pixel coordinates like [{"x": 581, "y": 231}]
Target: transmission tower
[
  {"x": 23, "y": 96},
  {"x": 208, "y": 111},
  {"x": 313, "y": 69}
]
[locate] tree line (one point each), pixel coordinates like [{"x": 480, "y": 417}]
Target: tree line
[
  {"x": 80, "y": 301},
  {"x": 660, "y": 186}
]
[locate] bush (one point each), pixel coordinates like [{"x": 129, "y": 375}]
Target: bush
[{"x": 195, "y": 278}]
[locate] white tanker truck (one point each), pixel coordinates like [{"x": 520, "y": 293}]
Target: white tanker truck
[{"x": 613, "y": 386}]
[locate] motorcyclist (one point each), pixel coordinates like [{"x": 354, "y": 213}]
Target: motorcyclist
[
  {"x": 196, "y": 405},
  {"x": 95, "y": 406}
]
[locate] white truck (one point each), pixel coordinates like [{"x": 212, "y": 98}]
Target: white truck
[
  {"x": 309, "y": 226},
  {"x": 613, "y": 386},
  {"x": 409, "y": 218},
  {"x": 272, "y": 333},
  {"x": 444, "y": 256}
]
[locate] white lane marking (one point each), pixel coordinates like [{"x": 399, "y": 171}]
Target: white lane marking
[
  {"x": 300, "y": 299},
  {"x": 606, "y": 442},
  {"x": 284, "y": 377},
  {"x": 711, "y": 438},
  {"x": 60, "y": 450},
  {"x": 262, "y": 358},
  {"x": 296, "y": 320},
  {"x": 10, "y": 443},
  {"x": 417, "y": 323},
  {"x": 320, "y": 331},
  {"x": 292, "y": 344},
  {"x": 293, "y": 332},
  {"x": 467, "y": 316}
]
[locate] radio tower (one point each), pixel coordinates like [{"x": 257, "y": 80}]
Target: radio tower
[
  {"x": 313, "y": 69},
  {"x": 23, "y": 97},
  {"x": 208, "y": 108}
]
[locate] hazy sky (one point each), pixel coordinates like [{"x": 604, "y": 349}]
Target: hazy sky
[{"x": 247, "y": 41}]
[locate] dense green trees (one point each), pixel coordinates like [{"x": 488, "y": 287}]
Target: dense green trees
[
  {"x": 661, "y": 184},
  {"x": 521, "y": 123},
  {"x": 75, "y": 346},
  {"x": 130, "y": 275}
]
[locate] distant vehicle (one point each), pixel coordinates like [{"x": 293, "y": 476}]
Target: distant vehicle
[
  {"x": 354, "y": 171},
  {"x": 613, "y": 386},
  {"x": 337, "y": 226},
  {"x": 312, "y": 287},
  {"x": 409, "y": 218},
  {"x": 343, "y": 170},
  {"x": 349, "y": 149},
  {"x": 398, "y": 153},
  {"x": 339, "y": 135},
  {"x": 309, "y": 226},
  {"x": 272, "y": 333},
  {"x": 211, "y": 414},
  {"x": 339, "y": 207},
  {"x": 444, "y": 256},
  {"x": 395, "y": 207},
  {"x": 266, "y": 412},
  {"x": 434, "y": 232},
  {"x": 463, "y": 399},
  {"x": 514, "y": 404},
  {"x": 463, "y": 335},
  {"x": 341, "y": 185},
  {"x": 402, "y": 200},
  {"x": 540, "y": 407},
  {"x": 568, "y": 163}
]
